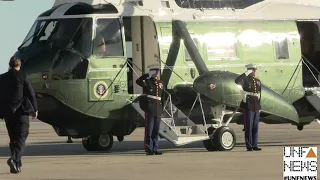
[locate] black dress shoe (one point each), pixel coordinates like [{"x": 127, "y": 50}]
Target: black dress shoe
[
  {"x": 149, "y": 153},
  {"x": 158, "y": 153},
  {"x": 18, "y": 169},
  {"x": 249, "y": 149},
  {"x": 12, "y": 165},
  {"x": 256, "y": 149}
]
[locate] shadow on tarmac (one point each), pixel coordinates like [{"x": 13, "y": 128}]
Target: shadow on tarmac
[{"x": 124, "y": 148}]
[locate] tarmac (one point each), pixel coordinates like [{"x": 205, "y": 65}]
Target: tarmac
[{"x": 49, "y": 157}]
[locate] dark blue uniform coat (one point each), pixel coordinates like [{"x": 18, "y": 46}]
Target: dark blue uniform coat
[{"x": 251, "y": 108}]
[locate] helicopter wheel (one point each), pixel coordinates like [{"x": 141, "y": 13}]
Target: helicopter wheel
[
  {"x": 225, "y": 138},
  {"x": 209, "y": 143},
  {"x": 98, "y": 142}
]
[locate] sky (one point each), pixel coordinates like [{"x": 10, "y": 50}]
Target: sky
[{"x": 16, "y": 19}]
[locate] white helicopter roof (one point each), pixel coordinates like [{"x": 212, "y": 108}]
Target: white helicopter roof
[
  {"x": 164, "y": 10},
  {"x": 92, "y": 2}
]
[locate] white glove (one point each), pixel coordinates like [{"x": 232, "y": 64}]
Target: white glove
[
  {"x": 152, "y": 72},
  {"x": 248, "y": 72}
]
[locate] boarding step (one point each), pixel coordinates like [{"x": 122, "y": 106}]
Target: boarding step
[
  {"x": 180, "y": 119},
  {"x": 183, "y": 139},
  {"x": 181, "y": 130},
  {"x": 186, "y": 130},
  {"x": 168, "y": 121}
]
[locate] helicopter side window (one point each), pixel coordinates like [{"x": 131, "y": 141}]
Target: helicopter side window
[
  {"x": 282, "y": 49},
  {"x": 221, "y": 46},
  {"x": 108, "y": 40}
]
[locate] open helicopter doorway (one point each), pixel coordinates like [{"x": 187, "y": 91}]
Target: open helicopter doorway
[
  {"x": 310, "y": 48},
  {"x": 142, "y": 48}
]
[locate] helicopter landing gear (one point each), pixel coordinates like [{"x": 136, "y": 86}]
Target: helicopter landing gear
[
  {"x": 98, "y": 142},
  {"x": 222, "y": 137},
  {"x": 120, "y": 138},
  {"x": 209, "y": 143},
  {"x": 69, "y": 140},
  {"x": 300, "y": 127}
]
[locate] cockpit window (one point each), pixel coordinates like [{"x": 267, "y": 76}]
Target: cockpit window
[
  {"x": 60, "y": 34},
  {"x": 108, "y": 39},
  {"x": 50, "y": 41},
  {"x": 35, "y": 29},
  {"x": 48, "y": 30}
]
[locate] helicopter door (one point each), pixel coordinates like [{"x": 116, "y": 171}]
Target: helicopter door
[
  {"x": 149, "y": 43},
  {"x": 144, "y": 47}
]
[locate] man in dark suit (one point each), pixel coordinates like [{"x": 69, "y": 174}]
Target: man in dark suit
[
  {"x": 152, "y": 106},
  {"x": 18, "y": 101},
  {"x": 251, "y": 87}
]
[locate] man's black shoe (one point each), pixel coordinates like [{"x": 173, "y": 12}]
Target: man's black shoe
[
  {"x": 149, "y": 153},
  {"x": 12, "y": 165},
  {"x": 158, "y": 153},
  {"x": 18, "y": 169},
  {"x": 249, "y": 149},
  {"x": 257, "y": 149}
]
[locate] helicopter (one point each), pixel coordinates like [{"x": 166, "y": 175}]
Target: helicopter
[{"x": 84, "y": 56}]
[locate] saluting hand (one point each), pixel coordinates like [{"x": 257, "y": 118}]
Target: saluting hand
[
  {"x": 248, "y": 72},
  {"x": 152, "y": 73}
]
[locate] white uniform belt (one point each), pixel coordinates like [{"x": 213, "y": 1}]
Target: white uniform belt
[
  {"x": 154, "y": 97},
  {"x": 252, "y": 94}
]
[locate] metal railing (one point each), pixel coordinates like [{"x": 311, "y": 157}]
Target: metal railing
[
  {"x": 169, "y": 100},
  {"x": 198, "y": 98}
]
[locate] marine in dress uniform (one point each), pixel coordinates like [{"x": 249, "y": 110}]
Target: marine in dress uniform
[
  {"x": 19, "y": 101},
  {"x": 250, "y": 104},
  {"x": 152, "y": 87}
]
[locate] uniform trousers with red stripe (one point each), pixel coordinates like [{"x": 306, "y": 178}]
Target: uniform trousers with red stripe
[
  {"x": 152, "y": 128},
  {"x": 251, "y": 126}
]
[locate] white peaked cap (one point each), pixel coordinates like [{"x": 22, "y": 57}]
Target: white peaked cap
[
  {"x": 251, "y": 66},
  {"x": 154, "y": 67}
]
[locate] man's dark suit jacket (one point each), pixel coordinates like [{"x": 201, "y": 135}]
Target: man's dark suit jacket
[{"x": 16, "y": 94}]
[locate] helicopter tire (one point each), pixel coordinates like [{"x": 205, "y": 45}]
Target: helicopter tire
[
  {"x": 209, "y": 143},
  {"x": 98, "y": 142},
  {"x": 225, "y": 138},
  {"x": 86, "y": 143}
]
